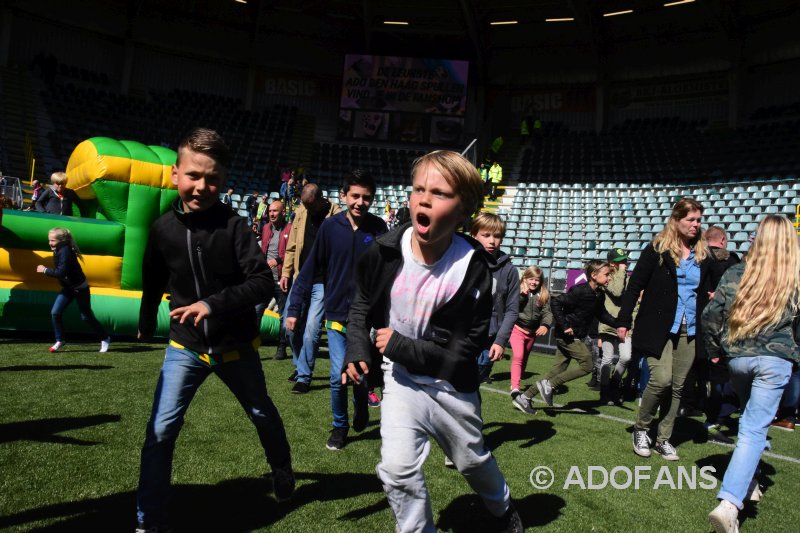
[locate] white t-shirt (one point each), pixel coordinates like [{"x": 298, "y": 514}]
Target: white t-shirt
[{"x": 419, "y": 290}]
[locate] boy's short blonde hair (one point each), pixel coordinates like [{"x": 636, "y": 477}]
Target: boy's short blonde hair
[
  {"x": 58, "y": 178},
  {"x": 488, "y": 222},
  {"x": 462, "y": 176}
]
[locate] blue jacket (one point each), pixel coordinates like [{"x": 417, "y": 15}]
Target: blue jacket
[{"x": 333, "y": 255}]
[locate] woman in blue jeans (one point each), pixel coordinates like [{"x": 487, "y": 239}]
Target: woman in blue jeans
[
  {"x": 74, "y": 286},
  {"x": 752, "y": 322}
]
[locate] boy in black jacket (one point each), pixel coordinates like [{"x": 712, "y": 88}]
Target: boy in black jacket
[
  {"x": 574, "y": 311},
  {"x": 210, "y": 262},
  {"x": 428, "y": 294}
]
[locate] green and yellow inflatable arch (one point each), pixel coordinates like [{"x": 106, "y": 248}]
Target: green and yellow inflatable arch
[{"x": 124, "y": 186}]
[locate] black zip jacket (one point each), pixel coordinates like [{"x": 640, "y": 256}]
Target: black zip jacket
[
  {"x": 578, "y": 308},
  {"x": 66, "y": 267},
  {"x": 49, "y": 202},
  {"x": 459, "y": 329},
  {"x": 209, "y": 256},
  {"x": 657, "y": 275}
]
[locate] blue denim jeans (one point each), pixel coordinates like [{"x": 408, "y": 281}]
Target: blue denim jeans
[
  {"x": 759, "y": 383},
  {"x": 304, "y": 340},
  {"x": 337, "y": 346},
  {"x": 181, "y": 376},
  {"x": 83, "y": 298}
]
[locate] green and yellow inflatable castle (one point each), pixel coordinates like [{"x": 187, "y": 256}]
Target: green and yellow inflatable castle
[{"x": 124, "y": 186}]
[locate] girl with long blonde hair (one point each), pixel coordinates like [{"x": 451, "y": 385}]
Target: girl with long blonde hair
[
  {"x": 752, "y": 322},
  {"x": 74, "y": 286},
  {"x": 670, "y": 270},
  {"x": 534, "y": 320}
]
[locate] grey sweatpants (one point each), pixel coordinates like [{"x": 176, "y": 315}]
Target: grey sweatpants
[{"x": 410, "y": 413}]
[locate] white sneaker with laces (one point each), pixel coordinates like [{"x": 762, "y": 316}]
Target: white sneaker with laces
[
  {"x": 57, "y": 346},
  {"x": 641, "y": 442},
  {"x": 725, "y": 518}
]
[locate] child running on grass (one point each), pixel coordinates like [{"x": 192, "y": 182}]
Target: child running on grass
[
  {"x": 573, "y": 311},
  {"x": 74, "y": 286},
  {"x": 428, "y": 293},
  {"x": 489, "y": 230},
  {"x": 209, "y": 259},
  {"x": 341, "y": 240},
  {"x": 534, "y": 320}
]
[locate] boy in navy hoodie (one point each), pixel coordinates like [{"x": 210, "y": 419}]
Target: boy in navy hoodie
[
  {"x": 489, "y": 230},
  {"x": 428, "y": 294},
  {"x": 340, "y": 241}
]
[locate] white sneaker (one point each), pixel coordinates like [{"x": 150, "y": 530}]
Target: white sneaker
[
  {"x": 641, "y": 442},
  {"x": 57, "y": 346},
  {"x": 754, "y": 491},
  {"x": 448, "y": 462},
  {"x": 546, "y": 390},
  {"x": 104, "y": 344},
  {"x": 724, "y": 518}
]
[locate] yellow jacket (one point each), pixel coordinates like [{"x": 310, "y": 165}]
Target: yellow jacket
[{"x": 496, "y": 174}]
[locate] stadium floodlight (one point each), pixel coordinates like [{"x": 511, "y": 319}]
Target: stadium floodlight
[
  {"x": 503, "y": 22},
  {"x": 679, "y": 2},
  {"x": 615, "y": 13},
  {"x": 240, "y": 1},
  {"x": 396, "y": 22},
  {"x": 565, "y": 19}
]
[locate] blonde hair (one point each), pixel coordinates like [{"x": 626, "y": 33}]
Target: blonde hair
[
  {"x": 58, "y": 178},
  {"x": 488, "y": 222},
  {"x": 63, "y": 235},
  {"x": 536, "y": 272},
  {"x": 459, "y": 173},
  {"x": 770, "y": 283},
  {"x": 669, "y": 240}
]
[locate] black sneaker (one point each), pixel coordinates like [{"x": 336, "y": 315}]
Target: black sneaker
[
  {"x": 293, "y": 377},
  {"x": 360, "y": 407},
  {"x": 283, "y": 483},
  {"x": 715, "y": 434},
  {"x": 666, "y": 450},
  {"x": 522, "y": 403},
  {"x": 337, "y": 439},
  {"x": 301, "y": 387},
  {"x": 511, "y": 522},
  {"x": 280, "y": 354}
]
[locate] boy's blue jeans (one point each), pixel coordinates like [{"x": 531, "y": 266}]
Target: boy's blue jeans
[
  {"x": 337, "y": 346},
  {"x": 181, "y": 376},
  {"x": 304, "y": 340}
]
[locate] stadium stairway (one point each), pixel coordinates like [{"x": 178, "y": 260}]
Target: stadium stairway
[{"x": 301, "y": 140}]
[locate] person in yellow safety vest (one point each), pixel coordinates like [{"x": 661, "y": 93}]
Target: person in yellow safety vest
[{"x": 495, "y": 176}]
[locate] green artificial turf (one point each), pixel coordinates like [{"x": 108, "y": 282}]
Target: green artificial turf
[{"x": 72, "y": 423}]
